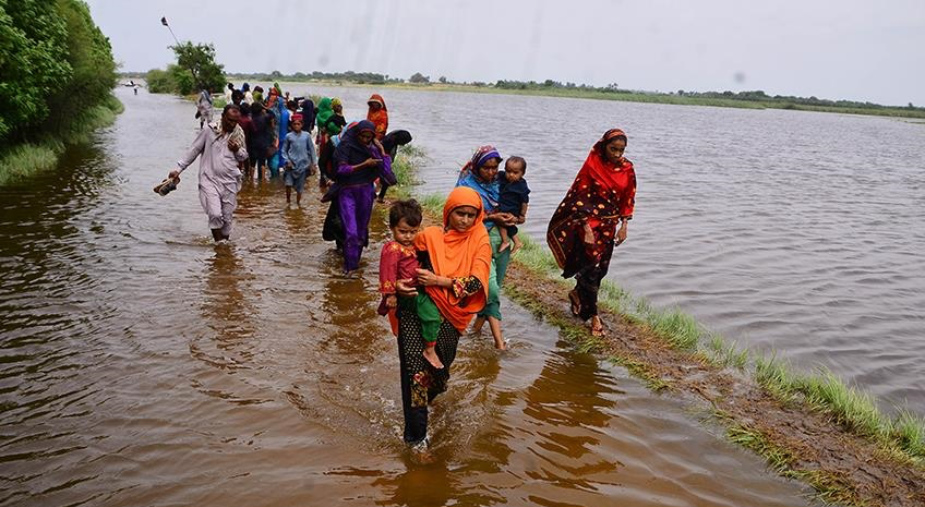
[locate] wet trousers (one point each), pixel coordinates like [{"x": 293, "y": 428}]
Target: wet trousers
[{"x": 420, "y": 382}]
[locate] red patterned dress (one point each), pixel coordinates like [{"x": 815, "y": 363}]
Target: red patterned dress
[
  {"x": 397, "y": 262},
  {"x": 602, "y": 194}
]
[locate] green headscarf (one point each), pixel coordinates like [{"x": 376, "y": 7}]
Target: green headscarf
[{"x": 325, "y": 112}]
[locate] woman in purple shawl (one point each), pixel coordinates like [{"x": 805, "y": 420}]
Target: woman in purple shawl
[{"x": 359, "y": 160}]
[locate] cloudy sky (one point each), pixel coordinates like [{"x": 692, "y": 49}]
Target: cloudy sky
[{"x": 851, "y": 49}]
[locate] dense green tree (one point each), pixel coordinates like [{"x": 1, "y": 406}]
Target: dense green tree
[
  {"x": 90, "y": 57},
  {"x": 32, "y": 62},
  {"x": 197, "y": 68},
  {"x": 54, "y": 64}
]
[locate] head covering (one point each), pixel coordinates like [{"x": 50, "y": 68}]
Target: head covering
[
  {"x": 325, "y": 111},
  {"x": 380, "y": 117},
  {"x": 295, "y": 117},
  {"x": 597, "y": 166},
  {"x": 350, "y": 150},
  {"x": 377, "y": 99},
  {"x": 245, "y": 87},
  {"x": 456, "y": 254},
  {"x": 469, "y": 177},
  {"x": 394, "y": 139},
  {"x": 335, "y": 102}
]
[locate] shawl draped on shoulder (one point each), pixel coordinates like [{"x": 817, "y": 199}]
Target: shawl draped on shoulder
[{"x": 602, "y": 194}]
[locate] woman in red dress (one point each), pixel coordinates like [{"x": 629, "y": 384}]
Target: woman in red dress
[{"x": 592, "y": 220}]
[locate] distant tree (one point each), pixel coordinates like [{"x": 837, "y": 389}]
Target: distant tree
[
  {"x": 681, "y": 92},
  {"x": 419, "y": 78},
  {"x": 911, "y": 106},
  {"x": 199, "y": 59},
  {"x": 276, "y": 74},
  {"x": 442, "y": 80}
]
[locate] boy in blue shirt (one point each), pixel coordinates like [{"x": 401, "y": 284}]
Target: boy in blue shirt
[{"x": 299, "y": 159}]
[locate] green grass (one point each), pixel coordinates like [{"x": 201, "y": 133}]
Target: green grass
[
  {"x": 902, "y": 436},
  {"x": 724, "y": 354},
  {"x": 856, "y": 410},
  {"x": 22, "y": 161},
  {"x": 829, "y": 487}
]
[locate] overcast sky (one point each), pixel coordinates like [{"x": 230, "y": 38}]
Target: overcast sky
[{"x": 851, "y": 49}]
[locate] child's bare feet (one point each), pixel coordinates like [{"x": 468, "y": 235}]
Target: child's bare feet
[
  {"x": 517, "y": 245},
  {"x": 430, "y": 353},
  {"x": 500, "y": 344},
  {"x": 504, "y": 246},
  {"x": 476, "y": 328}
]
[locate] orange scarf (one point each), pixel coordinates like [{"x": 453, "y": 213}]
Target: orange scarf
[{"x": 455, "y": 254}]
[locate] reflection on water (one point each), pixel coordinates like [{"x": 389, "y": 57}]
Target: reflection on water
[{"x": 142, "y": 365}]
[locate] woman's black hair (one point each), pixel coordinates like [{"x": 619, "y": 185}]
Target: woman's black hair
[{"x": 409, "y": 211}]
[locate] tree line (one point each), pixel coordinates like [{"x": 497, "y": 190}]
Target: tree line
[{"x": 55, "y": 66}]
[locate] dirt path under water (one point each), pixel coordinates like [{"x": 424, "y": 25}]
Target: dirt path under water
[{"x": 809, "y": 445}]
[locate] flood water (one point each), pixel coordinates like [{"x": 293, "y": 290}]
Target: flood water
[
  {"x": 141, "y": 365},
  {"x": 791, "y": 232}
]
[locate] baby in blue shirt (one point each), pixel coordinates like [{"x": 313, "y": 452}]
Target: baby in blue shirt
[{"x": 513, "y": 199}]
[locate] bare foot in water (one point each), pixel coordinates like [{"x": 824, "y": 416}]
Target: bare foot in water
[
  {"x": 430, "y": 353},
  {"x": 500, "y": 343}
]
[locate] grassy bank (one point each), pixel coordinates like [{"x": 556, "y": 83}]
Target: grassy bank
[
  {"x": 24, "y": 160},
  {"x": 626, "y": 96},
  {"x": 661, "y": 98},
  {"x": 810, "y": 427}
]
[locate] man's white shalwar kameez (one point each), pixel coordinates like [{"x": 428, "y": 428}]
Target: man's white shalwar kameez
[{"x": 219, "y": 176}]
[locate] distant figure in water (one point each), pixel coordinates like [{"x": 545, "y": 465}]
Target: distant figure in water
[
  {"x": 583, "y": 231},
  {"x": 514, "y": 197},
  {"x": 204, "y": 107},
  {"x": 222, "y": 149},
  {"x": 452, "y": 285}
]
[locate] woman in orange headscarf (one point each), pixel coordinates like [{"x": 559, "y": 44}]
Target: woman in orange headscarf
[
  {"x": 452, "y": 286},
  {"x": 378, "y": 114},
  {"x": 583, "y": 231}
]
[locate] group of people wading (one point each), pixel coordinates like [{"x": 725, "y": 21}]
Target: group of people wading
[{"x": 438, "y": 281}]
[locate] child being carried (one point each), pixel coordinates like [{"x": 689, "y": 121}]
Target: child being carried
[
  {"x": 513, "y": 199},
  {"x": 399, "y": 261}
]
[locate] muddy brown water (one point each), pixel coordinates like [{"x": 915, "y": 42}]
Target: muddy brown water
[{"x": 141, "y": 365}]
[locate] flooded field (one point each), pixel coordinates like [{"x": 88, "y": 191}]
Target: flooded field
[
  {"x": 787, "y": 231},
  {"x": 141, "y": 365}
]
